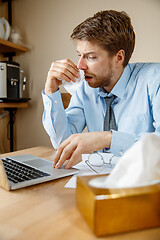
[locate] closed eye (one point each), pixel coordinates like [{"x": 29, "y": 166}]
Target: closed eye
[{"x": 91, "y": 57}]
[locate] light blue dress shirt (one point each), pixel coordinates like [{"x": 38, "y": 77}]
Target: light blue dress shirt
[{"x": 136, "y": 108}]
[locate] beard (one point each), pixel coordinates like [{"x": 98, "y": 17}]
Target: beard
[{"x": 99, "y": 80}]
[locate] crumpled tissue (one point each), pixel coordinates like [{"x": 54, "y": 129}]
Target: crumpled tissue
[
  {"x": 139, "y": 166},
  {"x": 71, "y": 87}
]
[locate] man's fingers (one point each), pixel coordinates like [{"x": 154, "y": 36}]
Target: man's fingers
[
  {"x": 75, "y": 155},
  {"x": 68, "y": 61},
  {"x": 63, "y": 74},
  {"x": 63, "y": 153},
  {"x": 59, "y": 152},
  {"x": 67, "y": 67}
]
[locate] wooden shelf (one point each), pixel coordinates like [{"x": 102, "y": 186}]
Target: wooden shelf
[
  {"x": 9, "y": 47},
  {"x": 14, "y": 105}
]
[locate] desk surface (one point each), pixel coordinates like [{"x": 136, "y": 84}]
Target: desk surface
[{"x": 48, "y": 211}]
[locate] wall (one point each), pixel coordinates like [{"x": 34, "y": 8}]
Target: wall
[{"x": 47, "y": 25}]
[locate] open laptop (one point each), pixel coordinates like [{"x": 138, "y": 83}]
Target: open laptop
[{"x": 27, "y": 170}]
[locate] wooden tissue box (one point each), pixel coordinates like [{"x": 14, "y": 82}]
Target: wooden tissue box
[{"x": 111, "y": 211}]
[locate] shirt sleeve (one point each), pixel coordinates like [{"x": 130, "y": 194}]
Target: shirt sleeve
[
  {"x": 54, "y": 112},
  {"x": 123, "y": 141},
  {"x": 58, "y": 122}
]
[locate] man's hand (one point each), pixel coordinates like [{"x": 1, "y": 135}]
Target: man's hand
[
  {"x": 77, "y": 144},
  {"x": 60, "y": 70}
]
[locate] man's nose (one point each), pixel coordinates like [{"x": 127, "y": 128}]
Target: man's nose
[{"x": 82, "y": 64}]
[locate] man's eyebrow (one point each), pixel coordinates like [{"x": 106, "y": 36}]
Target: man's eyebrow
[{"x": 87, "y": 53}]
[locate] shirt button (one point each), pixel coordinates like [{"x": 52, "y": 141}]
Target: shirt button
[
  {"x": 55, "y": 101},
  {"x": 121, "y": 153}
]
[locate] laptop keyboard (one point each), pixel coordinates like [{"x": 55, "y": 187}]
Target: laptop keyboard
[{"x": 19, "y": 172}]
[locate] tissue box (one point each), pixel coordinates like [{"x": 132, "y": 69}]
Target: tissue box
[{"x": 111, "y": 211}]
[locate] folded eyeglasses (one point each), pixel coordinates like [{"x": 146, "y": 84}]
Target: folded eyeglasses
[{"x": 96, "y": 161}]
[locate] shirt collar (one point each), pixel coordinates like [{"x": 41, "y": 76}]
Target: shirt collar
[{"x": 120, "y": 87}]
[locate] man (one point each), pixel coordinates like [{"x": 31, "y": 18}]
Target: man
[{"x": 105, "y": 43}]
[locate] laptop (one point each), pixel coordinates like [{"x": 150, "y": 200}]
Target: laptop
[{"x": 27, "y": 170}]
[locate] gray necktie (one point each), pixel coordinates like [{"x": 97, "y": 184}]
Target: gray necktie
[{"x": 109, "y": 120}]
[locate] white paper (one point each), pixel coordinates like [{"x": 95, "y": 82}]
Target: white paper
[{"x": 85, "y": 170}]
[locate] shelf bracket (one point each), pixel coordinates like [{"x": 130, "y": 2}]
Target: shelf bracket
[
  {"x": 9, "y": 55},
  {"x": 9, "y": 11}
]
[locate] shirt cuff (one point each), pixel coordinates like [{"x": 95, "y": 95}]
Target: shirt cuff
[
  {"x": 121, "y": 142},
  {"x": 53, "y": 102}
]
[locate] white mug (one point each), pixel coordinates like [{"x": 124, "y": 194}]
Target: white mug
[{"x": 4, "y": 29}]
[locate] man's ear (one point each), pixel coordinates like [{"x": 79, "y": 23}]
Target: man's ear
[{"x": 120, "y": 56}]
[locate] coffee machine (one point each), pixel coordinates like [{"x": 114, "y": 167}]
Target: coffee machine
[{"x": 12, "y": 86}]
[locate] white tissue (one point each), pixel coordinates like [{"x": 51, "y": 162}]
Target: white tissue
[
  {"x": 71, "y": 87},
  {"x": 139, "y": 166}
]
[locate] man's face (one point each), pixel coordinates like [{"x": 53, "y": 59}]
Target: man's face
[{"x": 98, "y": 66}]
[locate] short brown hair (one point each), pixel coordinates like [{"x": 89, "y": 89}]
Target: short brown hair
[{"x": 110, "y": 29}]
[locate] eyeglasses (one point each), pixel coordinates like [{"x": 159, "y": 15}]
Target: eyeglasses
[{"x": 96, "y": 162}]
